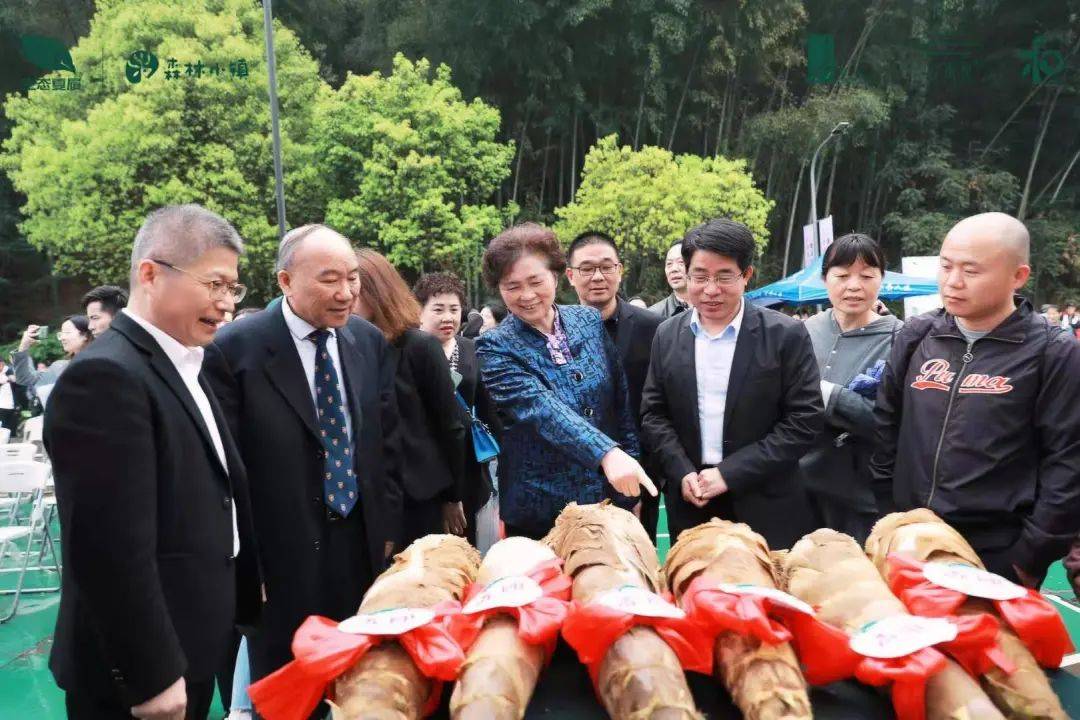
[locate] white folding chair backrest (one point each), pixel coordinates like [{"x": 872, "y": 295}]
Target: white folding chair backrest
[
  {"x": 23, "y": 476},
  {"x": 5, "y": 435},
  {"x": 17, "y": 451},
  {"x": 32, "y": 429}
]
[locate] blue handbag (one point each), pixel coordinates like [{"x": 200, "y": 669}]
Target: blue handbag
[{"x": 484, "y": 444}]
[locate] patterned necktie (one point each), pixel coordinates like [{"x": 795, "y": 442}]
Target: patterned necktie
[{"x": 339, "y": 482}]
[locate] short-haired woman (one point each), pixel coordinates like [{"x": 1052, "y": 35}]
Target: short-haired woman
[
  {"x": 851, "y": 344},
  {"x": 431, "y": 433},
  {"x": 559, "y": 386},
  {"x": 442, "y": 297}
]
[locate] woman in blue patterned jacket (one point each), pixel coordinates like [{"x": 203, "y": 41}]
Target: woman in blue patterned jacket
[{"x": 558, "y": 384}]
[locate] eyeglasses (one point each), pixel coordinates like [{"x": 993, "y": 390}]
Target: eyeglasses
[
  {"x": 607, "y": 269},
  {"x": 218, "y": 288},
  {"x": 721, "y": 280}
]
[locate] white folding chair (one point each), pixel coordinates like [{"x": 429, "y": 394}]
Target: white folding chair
[
  {"x": 14, "y": 452},
  {"x": 33, "y": 428},
  {"x": 19, "y": 478}
]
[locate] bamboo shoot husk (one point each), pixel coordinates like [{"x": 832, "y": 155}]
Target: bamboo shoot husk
[
  {"x": 923, "y": 536},
  {"x": 386, "y": 684},
  {"x": 604, "y": 547},
  {"x": 829, "y": 570},
  {"x": 501, "y": 669},
  {"x": 764, "y": 681}
]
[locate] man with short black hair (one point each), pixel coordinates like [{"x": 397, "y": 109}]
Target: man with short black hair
[
  {"x": 976, "y": 415},
  {"x": 102, "y": 304},
  {"x": 733, "y": 397},
  {"x": 595, "y": 272}
]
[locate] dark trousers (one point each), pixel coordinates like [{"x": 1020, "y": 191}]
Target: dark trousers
[
  {"x": 832, "y": 512},
  {"x": 650, "y": 513},
  {"x": 519, "y": 531},
  {"x": 336, "y": 595},
  {"x": 420, "y": 518},
  {"x": 81, "y": 706}
]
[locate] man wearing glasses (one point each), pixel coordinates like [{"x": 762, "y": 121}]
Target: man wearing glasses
[
  {"x": 732, "y": 398},
  {"x": 675, "y": 273},
  {"x": 155, "y": 522},
  {"x": 596, "y": 274}
]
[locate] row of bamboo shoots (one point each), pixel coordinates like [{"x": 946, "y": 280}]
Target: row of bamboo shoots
[{"x": 763, "y": 624}]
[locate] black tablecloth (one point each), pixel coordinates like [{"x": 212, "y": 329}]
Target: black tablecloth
[{"x": 565, "y": 693}]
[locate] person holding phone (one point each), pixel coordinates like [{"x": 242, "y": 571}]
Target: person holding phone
[{"x": 74, "y": 336}]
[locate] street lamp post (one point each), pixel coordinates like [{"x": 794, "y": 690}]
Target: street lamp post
[
  {"x": 275, "y": 132},
  {"x": 840, "y": 129}
]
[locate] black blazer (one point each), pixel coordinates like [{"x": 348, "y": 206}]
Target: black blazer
[
  {"x": 432, "y": 432},
  {"x": 150, "y": 589},
  {"x": 472, "y": 389},
  {"x": 256, "y": 372},
  {"x": 772, "y": 415},
  {"x": 634, "y": 331}
]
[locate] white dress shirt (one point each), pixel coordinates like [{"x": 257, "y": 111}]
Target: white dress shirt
[
  {"x": 301, "y": 330},
  {"x": 188, "y": 363},
  {"x": 712, "y": 362}
]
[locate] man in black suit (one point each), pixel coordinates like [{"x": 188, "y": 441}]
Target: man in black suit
[
  {"x": 159, "y": 556},
  {"x": 596, "y": 274},
  {"x": 733, "y": 397},
  {"x": 309, "y": 392}
]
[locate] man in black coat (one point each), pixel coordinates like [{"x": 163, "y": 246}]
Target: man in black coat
[
  {"x": 733, "y": 397},
  {"x": 159, "y": 556},
  {"x": 595, "y": 272},
  {"x": 325, "y": 489}
]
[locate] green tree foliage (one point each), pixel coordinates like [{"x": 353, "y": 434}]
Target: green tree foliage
[
  {"x": 407, "y": 166},
  {"x": 93, "y": 163},
  {"x": 647, "y": 199}
]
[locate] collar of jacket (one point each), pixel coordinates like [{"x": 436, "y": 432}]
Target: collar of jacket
[{"x": 1012, "y": 329}]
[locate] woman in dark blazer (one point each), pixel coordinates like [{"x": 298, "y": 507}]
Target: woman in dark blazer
[
  {"x": 442, "y": 297},
  {"x": 558, "y": 384},
  {"x": 431, "y": 431}
]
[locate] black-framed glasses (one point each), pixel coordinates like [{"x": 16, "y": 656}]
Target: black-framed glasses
[
  {"x": 721, "y": 279},
  {"x": 218, "y": 288},
  {"x": 607, "y": 269}
]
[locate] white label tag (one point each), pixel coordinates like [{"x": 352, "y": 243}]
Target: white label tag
[
  {"x": 972, "y": 581},
  {"x": 386, "y": 622},
  {"x": 639, "y": 601},
  {"x": 777, "y": 596},
  {"x": 505, "y": 592},
  {"x": 901, "y": 635}
]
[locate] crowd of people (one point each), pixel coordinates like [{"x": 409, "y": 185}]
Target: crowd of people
[{"x": 221, "y": 478}]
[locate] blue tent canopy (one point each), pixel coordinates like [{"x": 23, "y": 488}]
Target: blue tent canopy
[{"x": 806, "y": 287}]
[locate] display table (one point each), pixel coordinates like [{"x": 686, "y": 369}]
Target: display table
[{"x": 565, "y": 693}]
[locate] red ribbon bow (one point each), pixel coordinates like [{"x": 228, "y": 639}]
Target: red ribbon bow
[
  {"x": 908, "y": 676},
  {"x": 323, "y": 653},
  {"x": 1032, "y": 618},
  {"x": 820, "y": 647},
  {"x": 975, "y": 648},
  {"x": 591, "y": 628},
  {"x": 538, "y": 622}
]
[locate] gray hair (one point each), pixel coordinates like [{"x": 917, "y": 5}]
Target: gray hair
[
  {"x": 178, "y": 234},
  {"x": 294, "y": 238}
]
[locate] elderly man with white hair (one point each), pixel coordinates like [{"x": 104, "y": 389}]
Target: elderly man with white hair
[
  {"x": 309, "y": 390},
  {"x": 155, "y": 523},
  {"x": 977, "y": 411}
]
